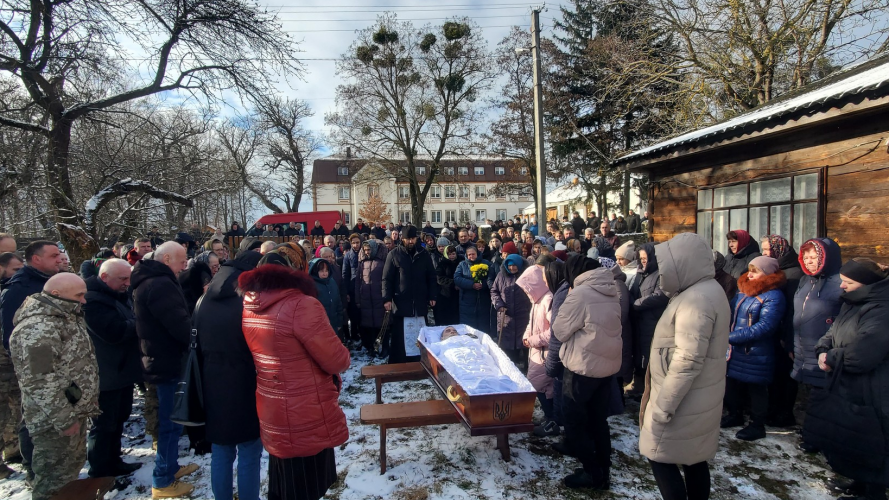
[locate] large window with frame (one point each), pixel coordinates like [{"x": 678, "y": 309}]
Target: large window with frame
[{"x": 787, "y": 206}]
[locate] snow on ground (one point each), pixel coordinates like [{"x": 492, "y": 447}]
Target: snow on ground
[{"x": 444, "y": 462}]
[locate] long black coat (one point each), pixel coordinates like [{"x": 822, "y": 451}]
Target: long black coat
[
  {"x": 649, "y": 302},
  {"x": 858, "y": 340},
  {"x": 162, "y": 321},
  {"x": 446, "y": 308},
  {"x": 369, "y": 285},
  {"x": 227, "y": 369},
  {"x": 111, "y": 324},
  {"x": 789, "y": 263},
  {"x": 409, "y": 281}
]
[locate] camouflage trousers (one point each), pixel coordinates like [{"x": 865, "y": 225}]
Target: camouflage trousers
[
  {"x": 10, "y": 404},
  {"x": 149, "y": 410},
  {"x": 57, "y": 460}
]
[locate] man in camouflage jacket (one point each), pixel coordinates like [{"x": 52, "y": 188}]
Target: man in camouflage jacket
[{"x": 59, "y": 379}]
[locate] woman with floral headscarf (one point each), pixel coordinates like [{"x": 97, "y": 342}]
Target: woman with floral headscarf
[{"x": 783, "y": 389}]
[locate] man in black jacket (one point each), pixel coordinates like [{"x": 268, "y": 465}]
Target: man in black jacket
[
  {"x": 163, "y": 326},
  {"x": 111, "y": 324},
  {"x": 378, "y": 232},
  {"x": 634, "y": 223},
  {"x": 318, "y": 230},
  {"x": 294, "y": 230},
  {"x": 578, "y": 224},
  {"x": 340, "y": 231},
  {"x": 409, "y": 289},
  {"x": 42, "y": 260}
]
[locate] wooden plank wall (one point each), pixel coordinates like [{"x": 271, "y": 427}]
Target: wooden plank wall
[{"x": 856, "y": 175}]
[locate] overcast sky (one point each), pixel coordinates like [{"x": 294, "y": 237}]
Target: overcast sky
[{"x": 325, "y": 30}]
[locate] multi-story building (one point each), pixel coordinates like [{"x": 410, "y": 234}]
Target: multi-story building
[{"x": 466, "y": 189}]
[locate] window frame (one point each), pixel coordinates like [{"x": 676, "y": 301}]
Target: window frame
[
  {"x": 481, "y": 215},
  {"x": 463, "y": 170},
  {"x": 819, "y": 199},
  {"x": 421, "y": 171},
  {"x": 462, "y": 218},
  {"x": 373, "y": 190},
  {"x": 347, "y": 218},
  {"x": 479, "y": 170},
  {"x": 406, "y": 190},
  {"x": 451, "y": 189},
  {"x": 433, "y": 214},
  {"x": 404, "y": 216},
  {"x": 450, "y": 216},
  {"x": 499, "y": 211},
  {"x": 435, "y": 192},
  {"x": 481, "y": 192},
  {"x": 449, "y": 170},
  {"x": 460, "y": 190},
  {"x": 342, "y": 171},
  {"x": 344, "y": 189},
  {"x": 499, "y": 170}
]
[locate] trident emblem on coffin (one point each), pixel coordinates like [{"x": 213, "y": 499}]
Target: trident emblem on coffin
[{"x": 502, "y": 410}]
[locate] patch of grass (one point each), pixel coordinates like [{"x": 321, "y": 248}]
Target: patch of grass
[
  {"x": 413, "y": 493},
  {"x": 465, "y": 484}
]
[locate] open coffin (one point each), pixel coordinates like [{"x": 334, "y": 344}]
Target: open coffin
[{"x": 489, "y": 392}]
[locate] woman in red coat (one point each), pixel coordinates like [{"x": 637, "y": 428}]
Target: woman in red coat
[{"x": 298, "y": 360}]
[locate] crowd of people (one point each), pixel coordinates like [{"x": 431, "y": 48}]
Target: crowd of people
[{"x": 702, "y": 340}]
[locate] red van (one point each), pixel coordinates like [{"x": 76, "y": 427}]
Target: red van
[{"x": 328, "y": 219}]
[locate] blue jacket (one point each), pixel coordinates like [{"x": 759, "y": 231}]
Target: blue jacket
[
  {"x": 816, "y": 304},
  {"x": 757, "y": 311},
  {"x": 328, "y": 294},
  {"x": 27, "y": 281},
  {"x": 475, "y": 305},
  {"x": 350, "y": 271}
]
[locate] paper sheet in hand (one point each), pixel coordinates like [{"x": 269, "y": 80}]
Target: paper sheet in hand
[{"x": 412, "y": 328}]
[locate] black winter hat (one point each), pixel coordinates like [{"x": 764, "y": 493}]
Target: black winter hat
[{"x": 410, "y": 232}]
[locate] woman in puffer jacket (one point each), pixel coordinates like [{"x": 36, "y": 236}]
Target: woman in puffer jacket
[
  {"x": 649, "y": 302},
  {"x": 512, "y": 307},
  {"x": 369, "y": 291},
  {"x": 298, "y": 359},
  {"x": 815, "y": 306},
  {"x": 446, "y": 308},
  {"x": 588, "y": 324},
  {"x": 741, "y": 250},
  {"x": 475, "y": 297},
  {"x": 757, "y": 311},
  {"x": 536, "y": 336},
  {"x": 680, "y": 410}
]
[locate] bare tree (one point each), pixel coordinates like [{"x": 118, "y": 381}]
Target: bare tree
[
  {"x": 66, "y": 55},
  {"x": 411, "y": 97},
  {"x": 290, "y": 146},
  {"x": 747, "y": 53}
]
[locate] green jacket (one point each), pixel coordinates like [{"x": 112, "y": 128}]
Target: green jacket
[{"x": 55, "y": 363}]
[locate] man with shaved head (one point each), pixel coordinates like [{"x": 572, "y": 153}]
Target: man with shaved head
[
  {"x": 111, "y": 324},
  {"x": 163, "y": 325},
  {"x": 59, "y": 379}
]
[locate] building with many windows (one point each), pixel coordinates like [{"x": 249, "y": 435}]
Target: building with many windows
[
  {"x": 466, "y": 189},
  {"x": 812, "y": 163}
]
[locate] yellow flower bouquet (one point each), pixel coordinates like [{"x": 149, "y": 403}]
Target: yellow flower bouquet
[{"x": 479, "y": 272}]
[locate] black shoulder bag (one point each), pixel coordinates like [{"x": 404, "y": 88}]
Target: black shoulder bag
[{"x": 188, "y": 406}]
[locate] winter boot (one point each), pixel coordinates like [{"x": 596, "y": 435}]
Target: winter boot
[
  {"x": 731, "y": 420},
  {"x": 175, "y": 490},
  {"x": 751, "y": 433}
]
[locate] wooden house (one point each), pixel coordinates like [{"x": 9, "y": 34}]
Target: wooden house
[{"x": 814, "y": 162}]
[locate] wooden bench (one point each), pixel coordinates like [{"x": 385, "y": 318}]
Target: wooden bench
[
  {"x": 398, "y": 372},
  {"x": 412, "y": 414},
  {"x": 93, "y": 488}
]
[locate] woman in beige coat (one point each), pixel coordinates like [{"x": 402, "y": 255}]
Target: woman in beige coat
[{"x": 682, "y": 404}]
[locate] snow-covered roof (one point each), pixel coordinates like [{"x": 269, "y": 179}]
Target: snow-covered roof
[
  {"x": 562, "y": 194},
  {"x": 864, "y": 77}
]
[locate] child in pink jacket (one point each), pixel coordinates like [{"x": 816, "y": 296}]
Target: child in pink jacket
[{"x": 536, "y": 338}]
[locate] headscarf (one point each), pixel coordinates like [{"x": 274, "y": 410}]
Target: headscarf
[
  {"x": 560, "y": 254},
  {"x": 513, "y": 260},
  {"x": 606, "y": 262},
  {"x": 593, "y": 253},
  {"x": 577, "y": 265},
  {"x": 510, "y": 248},
  {"x": 554, "y": 272},
  {"x": 652, "y": 258},
  {"x": 778, "y": 246},
  {"x": 743, "y": 238}
]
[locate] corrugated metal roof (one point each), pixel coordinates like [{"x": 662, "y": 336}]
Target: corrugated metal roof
[{"x": 849, "y": 82}]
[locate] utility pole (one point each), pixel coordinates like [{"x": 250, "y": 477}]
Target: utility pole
[{"x": 539, "y": 158}]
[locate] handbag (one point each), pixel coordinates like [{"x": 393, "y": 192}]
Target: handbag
[
  {"x": 188, "y": 405},
  {"x": 844, "y": 429}
]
